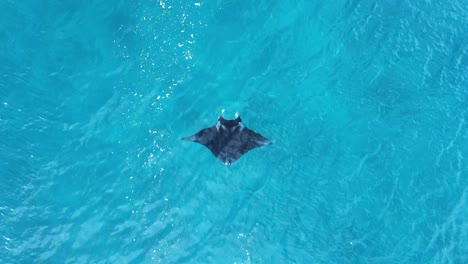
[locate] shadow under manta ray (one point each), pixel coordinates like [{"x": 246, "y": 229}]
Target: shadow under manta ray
[{"x": 228, "y": 140}]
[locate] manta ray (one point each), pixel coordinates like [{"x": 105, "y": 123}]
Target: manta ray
[{"x": 228, "y": 140}]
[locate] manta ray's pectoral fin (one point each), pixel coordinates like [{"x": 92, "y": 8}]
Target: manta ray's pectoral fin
[
  {"x": 264, "y": 142},
  {"x": 191, "y": 138}
]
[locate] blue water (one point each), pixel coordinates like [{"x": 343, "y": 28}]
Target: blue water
[{"x": 366, "y": 102}]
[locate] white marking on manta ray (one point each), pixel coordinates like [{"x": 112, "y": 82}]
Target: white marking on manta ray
[{"x": 241, "y": 126}]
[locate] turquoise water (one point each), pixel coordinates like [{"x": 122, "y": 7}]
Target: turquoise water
[{"x": 366, "y": 102}]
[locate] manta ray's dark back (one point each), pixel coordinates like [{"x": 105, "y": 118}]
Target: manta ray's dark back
[{"x": 228, "y": 140}]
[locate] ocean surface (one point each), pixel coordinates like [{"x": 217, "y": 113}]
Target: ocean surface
[{"x": 366, "y": 102}]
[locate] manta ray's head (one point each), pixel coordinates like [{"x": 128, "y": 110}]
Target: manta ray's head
[{"x": 229, "y": 123}]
